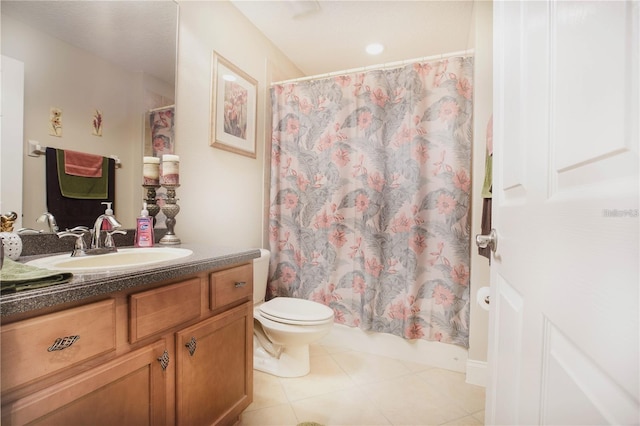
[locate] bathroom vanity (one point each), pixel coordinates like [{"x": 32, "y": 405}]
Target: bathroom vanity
[{"x": 167, "y": 344}]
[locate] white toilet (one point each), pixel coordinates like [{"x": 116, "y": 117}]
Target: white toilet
[{"x": 284, "y": 327}]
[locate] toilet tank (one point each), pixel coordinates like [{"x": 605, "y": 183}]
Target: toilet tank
[{"x": 260, "y": 275}]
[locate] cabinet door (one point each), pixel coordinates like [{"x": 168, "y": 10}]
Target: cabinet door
[
  {"x": 214, "y": 368},
  {"x": 129, "y": 390}
]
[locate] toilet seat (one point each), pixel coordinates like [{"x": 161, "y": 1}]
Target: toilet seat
[{"x": 289, "y": 310}]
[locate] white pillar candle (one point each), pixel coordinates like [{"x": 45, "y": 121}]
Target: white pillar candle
[
  {"x": 170, "y": 169},
  {"x": 151, "y": 170}
]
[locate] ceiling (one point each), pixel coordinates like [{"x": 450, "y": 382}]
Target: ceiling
[
  {"x": 137, "y": 35},
  {"x": 318, "y": 36},
  {"x": 328, "y": 36}
]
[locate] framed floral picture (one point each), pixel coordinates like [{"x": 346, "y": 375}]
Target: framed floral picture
[{"x": 233, "y": 108}]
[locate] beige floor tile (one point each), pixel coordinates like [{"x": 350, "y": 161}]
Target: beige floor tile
[
  {"x": 315, "y": 350},
  {"x": 356, "y": 389},
  {"x": 465, "y": 421},
  {"x": 261, "y": 378},
  {"x": 453, "y": 385},
  {"x": 415, "y": 367},
  {"x": 408, "y": 400},
  {"x": 366, "y": 368},
  {"x": 280, "y": 415},
  {"x": 479, "y": 415},
  {"x": 333, "y": 349},
  {"x": 325, "y": 376},
  {"x": 267, "y": 391},
  {"x": 348, "y": 407}
]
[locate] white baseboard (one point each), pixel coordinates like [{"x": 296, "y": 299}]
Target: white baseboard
[{"x": 477, "y": 372}]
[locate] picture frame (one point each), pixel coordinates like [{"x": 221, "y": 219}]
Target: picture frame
[{"x": 233, "y": 108}]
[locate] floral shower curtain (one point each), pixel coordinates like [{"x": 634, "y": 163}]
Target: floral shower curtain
[{"x": 370, "y": 193}]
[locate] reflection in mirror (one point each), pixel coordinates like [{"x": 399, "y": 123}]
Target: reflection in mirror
[{"x": 82, "y": 60}]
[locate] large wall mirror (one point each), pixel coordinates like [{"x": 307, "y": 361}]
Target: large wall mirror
[{"x": 115, "y": 58}]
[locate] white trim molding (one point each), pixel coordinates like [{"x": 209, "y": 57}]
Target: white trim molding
[{"x": 477, "y": 372}]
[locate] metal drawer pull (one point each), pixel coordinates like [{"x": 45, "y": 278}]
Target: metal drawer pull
[
  {"x": 240, "y": 284},
  {"x": 191, "y": 345},
  {"x": 63, "y": 343},
  {"x": 164, "y": 360}
]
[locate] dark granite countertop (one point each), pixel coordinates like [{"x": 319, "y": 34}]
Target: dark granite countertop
[{"x": 88, "y": 285}]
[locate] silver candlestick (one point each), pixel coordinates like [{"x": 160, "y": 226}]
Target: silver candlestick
[
  {"x": 170, "y": 209},
  {"x": 152, "y": 202}
]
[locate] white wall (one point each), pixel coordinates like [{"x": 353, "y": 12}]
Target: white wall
[
  {"x": 221, "y": 193},
  {"x": 11, "y": 119},
  {"x": 57, "y": 74},
  {"x": 482, "y": 110}
]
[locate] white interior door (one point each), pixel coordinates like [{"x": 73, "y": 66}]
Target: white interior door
[{"x": 564, "y": 335}]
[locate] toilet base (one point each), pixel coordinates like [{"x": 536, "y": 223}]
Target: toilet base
[{"x": 293, "y": 361}]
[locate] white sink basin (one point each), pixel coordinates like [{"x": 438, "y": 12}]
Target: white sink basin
[{"x": 125, "y": 258}]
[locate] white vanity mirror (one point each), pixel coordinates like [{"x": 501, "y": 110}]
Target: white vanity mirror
[{"x": 80, "y": 58}]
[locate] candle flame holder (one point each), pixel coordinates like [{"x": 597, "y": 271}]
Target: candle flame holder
[{"x": 170, "y": 210}]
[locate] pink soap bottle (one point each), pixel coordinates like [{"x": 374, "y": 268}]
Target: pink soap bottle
[
  {"x": 106, "y": 226},
  {"x": 144, "y": 229}
]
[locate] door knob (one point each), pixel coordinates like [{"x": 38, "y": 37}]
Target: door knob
[{"x": 491, "y": 240}]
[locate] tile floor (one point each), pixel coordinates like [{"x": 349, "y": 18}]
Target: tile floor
[{"x": 346, "y": 387}]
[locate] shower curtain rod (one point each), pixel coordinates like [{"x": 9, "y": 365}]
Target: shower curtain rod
[{"x": 468, "y": 52}]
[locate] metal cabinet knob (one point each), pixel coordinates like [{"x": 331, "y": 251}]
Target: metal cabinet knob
[
  {"x": 491, "y": 240},
  {"x": 192, "y": 346},
  {"x": 164, "y": 360}
]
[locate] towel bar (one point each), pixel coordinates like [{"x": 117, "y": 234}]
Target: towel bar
[{"x": 36, "y": 150}]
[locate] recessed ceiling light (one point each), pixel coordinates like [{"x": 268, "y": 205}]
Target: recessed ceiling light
[
  {"x": 229, "y": 77},
  {"x": 301, "y": 8},
  {"x": 374, "y": 48}
]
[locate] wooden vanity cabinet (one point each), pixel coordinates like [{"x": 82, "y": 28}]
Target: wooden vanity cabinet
[{"x": 162, "y": 356}]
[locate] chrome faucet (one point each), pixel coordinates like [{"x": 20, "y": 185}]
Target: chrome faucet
[
  {"x": 48, "y": 218},
  {"x": 80, "y": 249},
  {"x": 97, "y": 227}
]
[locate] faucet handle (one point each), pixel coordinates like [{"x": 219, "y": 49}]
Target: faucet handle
[
  {"x": 28, "y": 231},
  {"x": 80, "y": 245},
  {"x": 72, "y": 233},
  {"x": 76, "y": 229},
  {"x": 108, "y": 241}
]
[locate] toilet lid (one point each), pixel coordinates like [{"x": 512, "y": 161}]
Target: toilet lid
[{"x": 289, "y": 310}]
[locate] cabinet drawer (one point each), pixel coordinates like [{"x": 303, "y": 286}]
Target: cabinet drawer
[
  {"x": 157, "y": 310},
  {"x": 230, "y": 285},
  {"x": 40, "y": 346}
]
